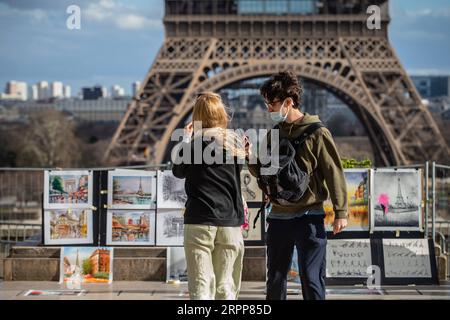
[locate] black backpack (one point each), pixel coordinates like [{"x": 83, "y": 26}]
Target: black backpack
[{"x": 289, "y": 183}]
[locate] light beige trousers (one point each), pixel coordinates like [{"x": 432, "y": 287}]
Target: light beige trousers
[{"x": 214, "y": 257}]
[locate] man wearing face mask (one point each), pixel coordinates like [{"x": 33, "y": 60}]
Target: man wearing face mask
[{"x": 301, "y": 224}]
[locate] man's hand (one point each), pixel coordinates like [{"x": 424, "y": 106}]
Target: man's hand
[{"x": 339, "y": 225}]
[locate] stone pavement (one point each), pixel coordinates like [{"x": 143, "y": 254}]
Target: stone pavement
[{"x": 153, "y": 290}]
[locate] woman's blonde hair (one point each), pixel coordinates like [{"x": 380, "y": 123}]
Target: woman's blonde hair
[{"x": 210, "y": 110}]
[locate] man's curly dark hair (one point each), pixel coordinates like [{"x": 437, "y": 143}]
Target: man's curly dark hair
[{"x": 282, "y": 85}]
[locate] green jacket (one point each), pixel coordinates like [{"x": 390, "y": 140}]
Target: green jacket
[{"x": 319, "y": 157}]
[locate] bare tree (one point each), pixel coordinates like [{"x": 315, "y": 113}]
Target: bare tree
[{"x": 49, "y": 141}]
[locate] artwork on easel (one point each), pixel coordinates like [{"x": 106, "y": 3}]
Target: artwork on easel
[
  {"x": 130, "y": 227},
  {"x": 131, "y": 189},
  {"x": 357, "y": 181},
  {"x": 396, "y": 200},
  {"x": 406, "y": 258},
  {"x": 68, "y": 226},
  {"x": 171, "y": 193},
  {"x": 348, "y": 258},
  {"x": 67, "y": 189},
  {"x": 176, "y": 264},
  {"x": 170, "y": 227},
  {"x": 249, "y": 187}
]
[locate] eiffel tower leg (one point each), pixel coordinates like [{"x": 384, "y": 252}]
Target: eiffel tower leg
[
  {"x": 407, "y": 124},
  {"x": 165, "y": 89}
]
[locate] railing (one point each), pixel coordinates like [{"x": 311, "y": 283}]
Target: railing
[
  {"x": 13, "y": 233},
  {"x": 21, "y": 192}
]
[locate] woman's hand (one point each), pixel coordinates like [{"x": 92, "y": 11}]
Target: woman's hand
[
  {"x": 248, "y": 147},
  {"x": 188, "y": 129}
]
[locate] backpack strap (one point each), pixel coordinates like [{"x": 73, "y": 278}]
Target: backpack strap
[{"x": 297, "y": 142}]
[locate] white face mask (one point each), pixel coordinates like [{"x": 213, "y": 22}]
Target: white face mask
[{"x": 277, "y": 116}]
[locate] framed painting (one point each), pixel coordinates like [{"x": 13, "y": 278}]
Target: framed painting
[
  {"x": 131, "y": 190},
  {"x": 170, "y": 227},
  {"x": 396, "y": 200},
  {"x": 130, "y": 227},
  {"x": 407, "y": 261},
  {"x": 348, "y": 258},
  {"x": 357, "y": 181},
  {"x": 252, "y": 233},
  {"x": 176, "y": 265},
  {"x": 171, "y": 193},
  {"x": 68, "y": 226},
  {"x": 68, "y": 189},
  {"x": 249, "y": 187}
]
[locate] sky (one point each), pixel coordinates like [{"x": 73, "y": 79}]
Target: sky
[{"x": 119, "y": 39}]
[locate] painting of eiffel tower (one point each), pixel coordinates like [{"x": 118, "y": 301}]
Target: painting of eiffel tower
[{"x": 396, "y": 199}]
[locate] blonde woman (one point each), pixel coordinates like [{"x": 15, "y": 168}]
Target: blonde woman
[{"x": 214, "y": 210}]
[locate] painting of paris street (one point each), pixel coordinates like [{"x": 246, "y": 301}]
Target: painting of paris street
[
  {"x": 170, "y": 227},
  {"x": 86, "y": 265},
  {"x": 131, "y": 190},
  {"x": 67, "y": 189},
  {"x": 130, "y": 227},
  {"x": 171, "y": 193},
  {"x": 396, "y": 199},
  {"x": 69, "y": 226}
]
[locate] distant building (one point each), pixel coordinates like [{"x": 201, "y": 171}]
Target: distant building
[
  {"x": 135, "y": 87},
  {"x": 67, "y": 92},
  {"x": 432, "y": 86},
  {"x": 34, "y": 92},
  {"x": 100, "y": 110},
  {"x": 43, "y": 90},
  {"x": 117, "y": 91},
  {"x": 15, "y": 90},
  {"x": 57, "y": 90},
  {"x": 93, "y": 93}
]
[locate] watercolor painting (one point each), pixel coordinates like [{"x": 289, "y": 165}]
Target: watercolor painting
[
  {"x": 86, "y": 264},
  {"x": 69, "y": 226},
  {"x": 67, "y": 189},
  {"x": 131, "y": 190},
  {"x": 357, "y": 181}
]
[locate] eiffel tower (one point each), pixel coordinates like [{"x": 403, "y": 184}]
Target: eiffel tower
[
  {"x": 212, "y": 44},
  {"x": 399, "y": 202}
]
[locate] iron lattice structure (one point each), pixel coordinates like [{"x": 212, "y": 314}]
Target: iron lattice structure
[{"x": 211, "y": 44}]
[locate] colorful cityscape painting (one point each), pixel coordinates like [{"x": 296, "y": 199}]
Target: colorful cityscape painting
[
  {"x": 127, "y": 227},
  {"x": 131, "y": 190},
  {"x": 358, "y": 201},
  {"x": 65, "y": 189},
  {"x": 397, "y": 197},
  {"x": 86, "y": 264},
  {"x": 68, "y": 226}
]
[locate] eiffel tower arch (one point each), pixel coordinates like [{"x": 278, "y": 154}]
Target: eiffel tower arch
[{"x": 212, "y": 44}]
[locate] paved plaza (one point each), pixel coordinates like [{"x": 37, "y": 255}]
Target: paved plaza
[{"x": 151, "y": 290}]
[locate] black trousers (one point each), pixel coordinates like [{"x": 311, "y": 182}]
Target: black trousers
[{"x": 308, "y": 234}]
